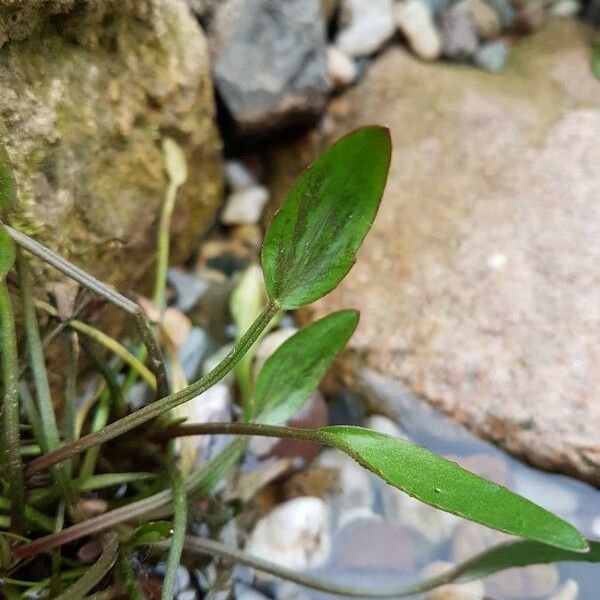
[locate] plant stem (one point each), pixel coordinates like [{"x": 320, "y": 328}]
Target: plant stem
[
  {"x": 106, "y": 292},
  {"x": 162, "y": 262},
  {"x": 206, "y": 546},
  {"x": 247, "y": 429},
  {"x": 180, "y": 513},
  {"x": 104, "y": 340},
  {"x": 96, "y": 572},
  {"x": 10, "y": 409},
  {"x": 161, "y": 406},
  {"x": 201, "y": 481},
  {"x": 49, "y": 427}
]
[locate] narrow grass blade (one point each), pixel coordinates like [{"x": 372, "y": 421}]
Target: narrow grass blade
[
  {"x": 49, "y": 427},
  {"x": 10, "y": 408},
  {"x": 180, "y": 512},
  {"x": 96, "y": 572}
]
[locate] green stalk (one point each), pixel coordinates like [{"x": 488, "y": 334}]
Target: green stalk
[
  {"x": 203, "y": 480},
  {"x": 70, "y": 403},
  {"x": 33, "y": 416},
  {"x": 106, "y": 292},
  {"x": 96, "y": 572},
  {"x": 50, "y": 435},
  {"x": 161, "y": 406},
  {"x": 55, "y": 580},
  {"x": 31, "y": 515},
  {"x": 205, "y": 546},
  {"x": 180, "y": 513},
  {"x": 162, "y": 264},
  {"x": 10, "y": 408},
  {"x": 238, "y": 428},
  {"x": 88, "y": 465},
  {"x": 104, "y": 340}
]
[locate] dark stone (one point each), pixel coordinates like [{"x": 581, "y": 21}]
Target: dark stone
[{"x": 269, "y": 61}]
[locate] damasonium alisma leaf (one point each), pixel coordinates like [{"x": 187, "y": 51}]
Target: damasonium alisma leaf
[
  {"x": 7, "y": 252},
  {"x": 519, "y": 554},
  {"x": 312, "y": 241},
  {"x": 447, "y": 486},
  {"x": 292, "y": 373}
]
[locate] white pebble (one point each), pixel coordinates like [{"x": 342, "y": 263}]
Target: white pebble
[
  {"x": 245, "y": 206},
  {"x": 465, "y": 591},
  {"x": 238, "y": 175},
  {"x": 370, "y": 25},
  {"x": 415, "y": 22},
  {"x": 354, "y": 482},
  {"x": 566, "y": 8},
  {"x": 384, "y": 425},
  {"x": 342, "y": 69},
  {"x": 569, "y": 590},
  {"x": 295, "y": 534}
]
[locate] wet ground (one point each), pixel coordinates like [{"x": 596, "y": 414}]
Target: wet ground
[{"x": 396, "y": 551}]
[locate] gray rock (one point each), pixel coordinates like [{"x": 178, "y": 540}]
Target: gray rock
[
  {"x": 270, "y": 65},
  {"x": 505, "y": 10},
  {"x": 366, "y": 26},
  {"x": 459, "y": 34},
  {"x": 491, "y": 244},
  {"x": 81, "y": 121},
  {"x": 436, "y": 7},
  {"x": 188, "y": 288},
  {"x": 182, "y": 579},
  {"x": 193, "y": 351},
  {"x": 492, "y": 57},
  {"x": 238, "y": 176},
  {"x": 487, "y": 21}
]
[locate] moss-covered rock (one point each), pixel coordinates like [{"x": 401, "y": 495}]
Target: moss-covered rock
[{"x": 87, "y": 89}]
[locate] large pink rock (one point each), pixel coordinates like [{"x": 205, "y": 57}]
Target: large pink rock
[{"x": 479, "y": 285}]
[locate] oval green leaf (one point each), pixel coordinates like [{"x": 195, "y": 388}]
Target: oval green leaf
[
  {"x": 150, "y": 533},
  {"x": 292, "y": 373},
  {"x": 7, "y": 181},
  {"x": 312, "y": 240},
  {"x": 7, "y": 252},
  {"x": 447, "y": 486}
]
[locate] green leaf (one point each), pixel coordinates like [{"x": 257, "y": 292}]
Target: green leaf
[
  {"x": 247, "y": 301},
  {"x": 150, "y": 533},
  {"x": 519, "y": 554},
  {"x": 291, "y": 374},
  {"x": 7, "y": 181},
  {"x": 7, "y": 252},
  {"x": 447, "y": 486},
  {"x": 312, "y": 241}
]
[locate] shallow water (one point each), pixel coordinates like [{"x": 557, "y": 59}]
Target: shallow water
[{"x": 396, "y": 552}]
